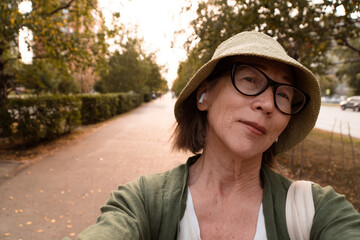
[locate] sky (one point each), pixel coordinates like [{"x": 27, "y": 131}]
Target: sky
[{"x": 156, "y": 21}]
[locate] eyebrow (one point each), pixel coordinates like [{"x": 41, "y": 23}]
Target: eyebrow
[{"x": 285, "y": 77}]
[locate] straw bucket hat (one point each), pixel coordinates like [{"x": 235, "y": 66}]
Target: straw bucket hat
[{"x": 261, "y": 45}]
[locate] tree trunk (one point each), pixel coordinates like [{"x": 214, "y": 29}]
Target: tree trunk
[
  {"x": 4, "y": 78},
  {"x": 5, "y": 120}
]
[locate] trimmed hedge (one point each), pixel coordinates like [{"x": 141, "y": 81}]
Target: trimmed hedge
[
  {"x": 41, "y": 118},
  {"x": 47, "y": 117},
  {"x": 97, "y": 108}
]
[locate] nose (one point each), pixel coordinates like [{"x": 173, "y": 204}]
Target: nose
[{"x": 265, "y": 101}]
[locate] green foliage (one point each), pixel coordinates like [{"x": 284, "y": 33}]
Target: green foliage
[
  {"x": 63, "y": 34},
  {"x": 43, "y": 76},
  {"x": 131, "y": 70},
  {"x": 185, "y": 71},
  {"x": 35, "y": 119},
  {"x": 305, "y": 29},
  {"x": 327, "y": 82},
  {"x": 350, "y": 70},
  {"x": 97, "y": 108}
]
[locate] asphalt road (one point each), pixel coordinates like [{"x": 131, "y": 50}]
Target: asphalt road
[
  {"x": 337, "y": 120},
  {"x": 61, "y": 194}
]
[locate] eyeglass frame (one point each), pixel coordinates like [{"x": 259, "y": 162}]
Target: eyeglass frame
[{"x": 269, "y": 83}]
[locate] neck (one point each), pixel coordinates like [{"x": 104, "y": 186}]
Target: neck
[{"x": 226, "y": 174}]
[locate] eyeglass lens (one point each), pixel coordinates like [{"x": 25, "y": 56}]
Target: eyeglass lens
[{"x": 251, "y": 82}]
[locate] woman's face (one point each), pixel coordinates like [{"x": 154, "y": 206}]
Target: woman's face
[{"x": 244, "y": 125}]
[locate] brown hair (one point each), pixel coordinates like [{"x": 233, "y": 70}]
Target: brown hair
[{"x": 191, "y": 127}]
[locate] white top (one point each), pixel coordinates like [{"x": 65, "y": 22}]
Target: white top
[{"x": 189, "y": 225}]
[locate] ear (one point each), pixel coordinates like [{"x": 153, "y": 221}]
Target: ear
[{"x": 201, "y": 99}]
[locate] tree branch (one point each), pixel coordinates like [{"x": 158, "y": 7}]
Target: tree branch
[
  {"x": 67, "y": 5},
  {"x": 350, "y": 46},
  {"x": 11, "y": 59}
]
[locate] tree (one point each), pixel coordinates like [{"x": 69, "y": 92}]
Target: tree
[
  {"x": 63, "y": 34},
  {"x": 305, "y": 29},
  {"x": 43, "y": 76},
  {"x": 131, "y": 70},
  {"x": 349, "y": 70}
]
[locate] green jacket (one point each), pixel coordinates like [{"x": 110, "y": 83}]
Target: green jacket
[{"x": 151, "y": 207}]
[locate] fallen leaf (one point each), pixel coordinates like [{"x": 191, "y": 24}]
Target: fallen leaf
[
  {"x": 19, "y": 211},
  {"x": 39, "y": 230},
  {"x": 62, "y": 192},
  {"x": 11, "y": 197},
  {"x": 53, "y": 221},
  {"x": 99, "y": 190},
  {"x": 6, "y": 234},
  {"x": 21, "y": 225},
  {"x": 68, "y": 226},
  {"x": 28, "y": 223},
  {"x": 72, "y": 234}
]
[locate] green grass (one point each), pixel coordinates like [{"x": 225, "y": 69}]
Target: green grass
[{"x": 340, "y": 167}]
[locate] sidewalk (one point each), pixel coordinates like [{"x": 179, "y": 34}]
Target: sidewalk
[{"x": 61, "y": 194}]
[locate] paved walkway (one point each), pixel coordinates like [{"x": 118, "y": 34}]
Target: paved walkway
[{"x": 61, "y": 194}]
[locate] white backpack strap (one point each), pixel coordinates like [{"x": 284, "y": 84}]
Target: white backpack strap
[{"x": 299, "y": 210}]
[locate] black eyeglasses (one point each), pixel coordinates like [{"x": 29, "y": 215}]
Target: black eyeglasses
[{"x": 251, "y": 81}]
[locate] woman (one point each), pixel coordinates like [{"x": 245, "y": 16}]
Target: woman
[{"x": 250, "y": 102}]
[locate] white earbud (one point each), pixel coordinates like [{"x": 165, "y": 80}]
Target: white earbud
[{"x": 202, "y": 97}]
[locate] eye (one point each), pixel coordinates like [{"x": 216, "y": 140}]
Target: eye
[
  {"x": 249, "y": 79},
  {"x": 285, "y": 93}
]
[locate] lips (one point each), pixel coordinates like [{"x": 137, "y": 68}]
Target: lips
[{"x": 256, "y": 128}]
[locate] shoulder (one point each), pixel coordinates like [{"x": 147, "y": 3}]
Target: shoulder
[
  {"x": 154, "y": 183},
  {"x": 275, "y": 179},
  {"x": 335, "y": 217}
]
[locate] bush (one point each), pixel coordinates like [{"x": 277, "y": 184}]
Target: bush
[
  {"x": 97, "y": 108},
  {"x": 147, "y": 97},
  {"x": 5, "y": 122},
  {"x": 35, "y": 119},
  {"x": 42, "y": 118}
]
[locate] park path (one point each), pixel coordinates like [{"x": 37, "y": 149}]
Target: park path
[{"x": 61, "y": 194}]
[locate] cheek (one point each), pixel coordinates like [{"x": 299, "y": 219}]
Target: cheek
[{"x": 282, "y": 123}]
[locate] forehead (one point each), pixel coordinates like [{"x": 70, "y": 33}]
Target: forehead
[{"x": 273, "y": 69}]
